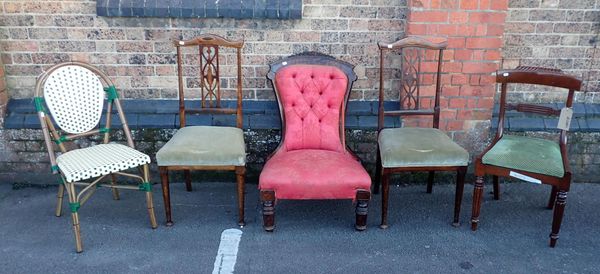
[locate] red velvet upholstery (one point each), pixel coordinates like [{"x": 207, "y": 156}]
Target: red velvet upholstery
[
  {"x": 311, "y": 97},
  {"x": 312, "y": 162},
  {"x": 314, "y": 174}
]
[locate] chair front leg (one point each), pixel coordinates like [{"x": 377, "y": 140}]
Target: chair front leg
[
  {"x": 164, "y": 180},
  {"x": 74, "y": 206},
  {"x": 477, "y": 194},
  {"x": 559, "y": 209},
  {"x": 149, "y": 201},
  {"x": 240, "y": 173},
  {"x": 267, "y": 198},
  {"x": 362, "y": 208},
  {"x": 460, "y": 185}
]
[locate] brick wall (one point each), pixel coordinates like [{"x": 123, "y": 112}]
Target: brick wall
[
  {"x": 474, "y": 30},
  {"x": 563, "y": 34},
  {"x": 3, "y": 95},
  {"x": 138, "y": 53}
]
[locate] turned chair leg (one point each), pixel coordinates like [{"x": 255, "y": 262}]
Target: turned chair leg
[
  {"x": 559, "y": 209},
  {"x": 164, "y": 180},
  {"x": 552, "y": 198},
  {"x": 377, "y": 173},
  {"x": 240, "y": 173},
  {"x": 460, "y": 185},
  {"x": 385, "y": 193},
  {"x": 149, "y": 201},
  {"x": 188, "y": 180},
  {"x": 430, "y": 181},
  {"x": 477, "y": 194},
  {"x": 496, "y": 188},
  {"x": 362, "y": 208},
  {"x": 59, "y": 201},
  {"x": 267, "y": 198}
]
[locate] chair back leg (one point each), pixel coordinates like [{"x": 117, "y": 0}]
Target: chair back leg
[
  {"x": 188, "y": 180},
  {"x": 430, "y": 181},
  {"x": 115, "y": 191},
  {"x": 496, "y": 188},
  {"x": 385, "y": 193}
]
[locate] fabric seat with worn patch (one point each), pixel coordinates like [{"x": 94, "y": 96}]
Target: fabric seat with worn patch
[
  {"x": 314, "y": 174},
  {"x": 98, "y": 160},
  {"x": 312, "y": 161},
  {"x": 401, "y": 147},
  {"x": 526, "y": 153},
  {"x": 215, "y": 147},
  {"x": 531, "y": 159},
  {"x": 419, "y": 145},
  {"x": 197, "y": 146}
]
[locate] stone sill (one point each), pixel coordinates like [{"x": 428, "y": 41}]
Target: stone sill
[{"x": 158, "y": 114}]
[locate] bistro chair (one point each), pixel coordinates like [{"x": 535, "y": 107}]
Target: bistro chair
[
  {"x": 535, "y": 160},
  {"x": 413, "y": 149},
  {"x": 312, "y": 160},
  {"x": 205, "y": 147},
  {"x": 72, "y": 95}
]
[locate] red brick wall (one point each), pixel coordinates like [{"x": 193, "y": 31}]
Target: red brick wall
[{"x": 474, "y": 30}]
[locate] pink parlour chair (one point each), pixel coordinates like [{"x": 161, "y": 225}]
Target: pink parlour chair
[{"x": 312, "y": 161}]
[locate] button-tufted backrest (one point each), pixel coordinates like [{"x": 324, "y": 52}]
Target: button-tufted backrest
[{"x": 312, "y": 98}]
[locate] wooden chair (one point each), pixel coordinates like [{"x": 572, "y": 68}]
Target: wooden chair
[
  {"x": 206, "y": 147},
  {"x": 416, "y": 148},
  {"x": 74, "y": 94},
  {"x": 531, "y": 159},
  {"x": 312, "y": 160}
]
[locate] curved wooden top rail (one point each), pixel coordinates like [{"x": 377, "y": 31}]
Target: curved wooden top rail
[
  {"x": 42, "y": 78},
  {"x": 413, "y": 41},
  {"x": 538, "y": 76},
  {"x": 210, "y": 40},
  {"x": 313, "y": 58}
]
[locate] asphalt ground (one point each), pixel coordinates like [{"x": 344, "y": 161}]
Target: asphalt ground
[{"x": 310, "y": 236}]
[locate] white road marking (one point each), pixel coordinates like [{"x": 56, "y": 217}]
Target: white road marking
[{"x": 228, "y": 249}]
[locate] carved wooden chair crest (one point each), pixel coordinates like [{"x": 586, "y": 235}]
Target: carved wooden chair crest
[
  {"x": 72, "y": 94},
  {"x": 416, "y": 148},
  {"x": 206, "y": 147},
  {"x": 535, "y": 160},
  {"x": 312, "y": 161}
]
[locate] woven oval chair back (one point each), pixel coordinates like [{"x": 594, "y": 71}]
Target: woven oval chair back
[{"x": 75, "y": 97}]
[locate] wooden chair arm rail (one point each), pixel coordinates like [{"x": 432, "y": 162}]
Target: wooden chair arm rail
[{"x": 543, "y": 110}]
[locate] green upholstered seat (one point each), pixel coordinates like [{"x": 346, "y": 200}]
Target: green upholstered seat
[
  {"x": 528, "y": 154},
  {"x": 416, "y": 147},
  {"x": 204, "y": 146}
]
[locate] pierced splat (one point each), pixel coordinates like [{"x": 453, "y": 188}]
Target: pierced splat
[
  {"x": 209, "y": 76},
  {"x": 410, "y": 78}
]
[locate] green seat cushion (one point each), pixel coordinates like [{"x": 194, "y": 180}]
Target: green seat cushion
[
  {"x": 528, "y": 154},
  {"x": 419, "y": 147},
  {"x": 204, "y": 146}
]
